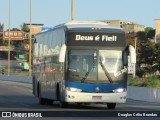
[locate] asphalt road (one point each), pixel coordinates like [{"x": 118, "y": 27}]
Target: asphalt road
[{"x": 18, "y": 97}]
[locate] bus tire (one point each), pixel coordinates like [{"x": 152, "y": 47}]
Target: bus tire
[
  {"x": 34, "y": 85},
  {"x": 42, "y": 101},
  {"x": 58, "y": 93},
  {"x": 111, "y": 105}
]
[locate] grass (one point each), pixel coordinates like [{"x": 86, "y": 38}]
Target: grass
[
  {"x": 150, "y": 82},
  {"x": 14, "y": 71}
]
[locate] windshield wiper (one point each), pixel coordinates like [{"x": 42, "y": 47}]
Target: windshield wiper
[
  {"x": 85, "y": 76},
  {"x": 87, "y": 73},
  {"x": 105, "y": 71}
]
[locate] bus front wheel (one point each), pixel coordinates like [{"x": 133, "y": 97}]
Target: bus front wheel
[
  {"x": 111, "y": 105},
  {"x": 42, "y": 101}
]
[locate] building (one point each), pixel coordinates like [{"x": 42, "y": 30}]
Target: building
[
  {"x": 132, "y": 28},
  {"x": 127, "y": 26},
  {"x": 36, "y": 28},
  {"x": 117, "y": 23},
  {"x": 157, "y": 32}
]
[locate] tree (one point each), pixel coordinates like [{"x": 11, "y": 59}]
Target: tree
[
  {"x": 1, "y": 38},
  {"x": 157, "y": 56},
  {"x": 130, "y": 39},
  {"x": 147, "y": 29},
  {"x": 141, "y": 36},
  {"x": 25, "y": 28},
  {"x": 150, "y": 32},
  {"x": 149, "y": 57}
]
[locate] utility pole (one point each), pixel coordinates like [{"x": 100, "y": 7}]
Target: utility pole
[
  {"x": 72, "y": 10},
  {"x": 135, "y": 45},
  {"x": 155, "y": 38},
  {"x": 157, "y": 30},
  {"x": 30, "y": 41},
  {"x": 9, "y": 43}
]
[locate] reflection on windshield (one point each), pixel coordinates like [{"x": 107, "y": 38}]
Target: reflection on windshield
[
  {"x": 112, "y": 61},
  {"x": 84, "y": 66},
  {"x": 81, "y": 60}
]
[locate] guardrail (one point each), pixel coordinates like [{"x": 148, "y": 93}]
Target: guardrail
[{"x": 144, "y": 94}]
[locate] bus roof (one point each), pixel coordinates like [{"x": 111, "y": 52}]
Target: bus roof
[
  {"x": 86, "y": 25},
  {"x": 93, "y": 23},
  {"x": 89, "y": 24}
]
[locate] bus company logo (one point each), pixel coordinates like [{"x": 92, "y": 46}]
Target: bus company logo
[
  {"x": 6, "y": 114},
  {"x": 97, "y": 89},
  {"x": 96, "y": 38},
  {"x": 19, "y": 114}
]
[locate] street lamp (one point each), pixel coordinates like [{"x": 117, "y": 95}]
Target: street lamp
[
  {"x": 9, "y": 45},
  {"x": 30, "y": 41}
]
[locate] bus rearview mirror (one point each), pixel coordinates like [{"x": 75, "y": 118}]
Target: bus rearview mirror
[
  {"x": 62, "y": 53},
  {"x": 132, "y": 54},
  {"x": 125, "y": 58}
]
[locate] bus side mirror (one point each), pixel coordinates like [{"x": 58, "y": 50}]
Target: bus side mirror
[
  {"x": 132, "y": 54},
  {"x": 125, "y": 58},
  {"x": 62, "y": 53}
]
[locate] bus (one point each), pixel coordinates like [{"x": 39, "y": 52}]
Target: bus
[{"x": 81, "y": 62}]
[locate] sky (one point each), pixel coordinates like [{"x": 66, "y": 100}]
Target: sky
[{"x": 54, "y": 12}]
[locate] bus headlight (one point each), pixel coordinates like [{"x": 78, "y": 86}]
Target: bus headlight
[
  {"x": 120, "y": 90},
  {"x": 73, "y": 89}
]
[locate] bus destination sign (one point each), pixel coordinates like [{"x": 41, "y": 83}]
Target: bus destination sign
[{"x": 96, "y": 39}]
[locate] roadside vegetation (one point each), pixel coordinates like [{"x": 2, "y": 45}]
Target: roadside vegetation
[
  {"x": 150, "y": 82},
  {"x": 14, "y": 72},
  {"x": 148, "y": 59}
]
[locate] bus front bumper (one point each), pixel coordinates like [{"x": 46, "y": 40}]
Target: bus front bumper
[{"x": 95, "y": 97}]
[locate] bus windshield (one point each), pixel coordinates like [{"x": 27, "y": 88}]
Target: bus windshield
[
  {"x": 81, "y": 62},
  {"x": 112, "y": 62},
  {"x": 94, "y": 66}
]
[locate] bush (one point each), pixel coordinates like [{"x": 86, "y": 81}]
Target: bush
[
  {"x": 140, "y": 72},
  {"x": 151, "y": 82}
]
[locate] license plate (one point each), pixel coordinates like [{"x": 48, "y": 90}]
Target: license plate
[{"x": 96, "y": 97}]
